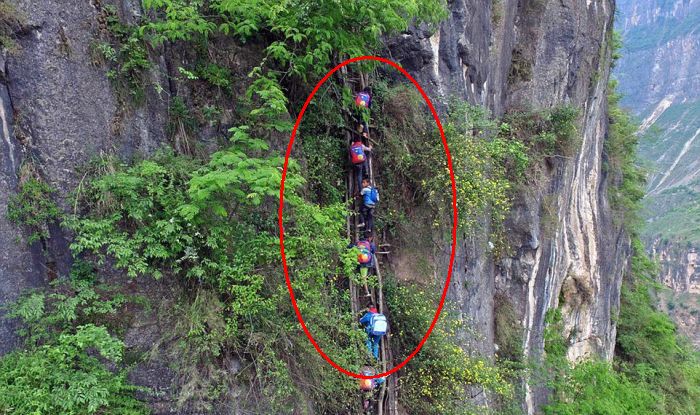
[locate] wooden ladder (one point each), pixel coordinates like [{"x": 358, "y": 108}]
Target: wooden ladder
[{"x": 387, "y": 400}]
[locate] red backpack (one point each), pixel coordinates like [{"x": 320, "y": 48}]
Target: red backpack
[
  {"x": 362, "y": 100},
  {"x": 367, "y": 385},
  {"x": 357, "y": 153},
  {"x": 365, "y": 255}
]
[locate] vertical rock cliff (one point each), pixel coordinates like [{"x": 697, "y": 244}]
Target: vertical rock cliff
[
  {"x": 523, "y": 55},
  {"x": 58, "y": 110}
]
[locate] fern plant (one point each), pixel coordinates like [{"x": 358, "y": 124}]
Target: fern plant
[{"x": 68, "y": 376}]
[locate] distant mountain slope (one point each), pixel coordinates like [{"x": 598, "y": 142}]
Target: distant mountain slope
[{"x": 659, "y": 75}]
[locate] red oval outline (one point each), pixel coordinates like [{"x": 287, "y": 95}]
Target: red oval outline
[{"x": 454, "y": 218}]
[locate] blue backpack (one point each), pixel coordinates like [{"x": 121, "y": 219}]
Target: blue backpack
[
  {"x": 378, "y": 324},
  {"x": 374, "y": 195}
]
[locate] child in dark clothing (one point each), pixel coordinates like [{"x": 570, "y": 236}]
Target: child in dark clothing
[{"x": 368, "y": 205}]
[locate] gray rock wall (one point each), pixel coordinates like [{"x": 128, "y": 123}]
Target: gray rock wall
[
  {"x": 566, "y": 250},
  {"x": 20, "y": 267}
]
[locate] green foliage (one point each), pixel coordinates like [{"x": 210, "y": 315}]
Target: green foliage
[
  {"x": 175, "y": 20},
  {"x": 33, "y": 208},
  {"x": 302, "y": 38},
  {"x": 323, "y": 140},
  {"x": 628, "y": 179},
  {"x": 309, "y": 34},
  {"x": 68, "y": 376},
  {"x": 193, "y": 220},
  {"x": 69, "y": 303},
  {"x": 70, "y": 364},
  {"x": 216, "y": 75},
  {"x": 616, "y": 44},
  {"x": 212, "y": 225},
  {"x": 595, "y": 388},
  {"x": 11, "y": 22},
  {"x": 437, "y": 379},
  {"x": 655, "y": 370},
  {"x": 589, "y": 387},
  {"x": 554, "y": 343},
  {"x": 126, "y": 54},
  {"x": 548, "y": 133},
  {"x": 485, "y": 165},
  {"x": 648, "y": 346}
]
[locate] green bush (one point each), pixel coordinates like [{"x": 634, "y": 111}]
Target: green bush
[
  {"x": 68, "y": 376},
  {"x": 654, "y": 370},
  {"x": 67, "y": 304},
  {"x": 595, "y": 388},
  {"x": 485, "y": 165},
  {"x": 547, "y": 133},
  {"x": 589, "y": 387},
  {"x": 11, "y": 22},
  {"x": 436, "y": 380},
  {"x": 627, "y": 177},
  {"x": 33, "y": 208},
  {"x": 126, "y": 54},
  {"x": 648, "y": 348},
  {"x": 211, "y": 225}
]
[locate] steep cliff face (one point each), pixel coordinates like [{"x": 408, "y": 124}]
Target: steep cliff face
[
  {"x": 678, "y": 266},
  {"x": 658, "y": 63},
  {"x": 511, "y": 56},
  {"x": 19, "y": 266},
  {"x": 508, "y": 55}
]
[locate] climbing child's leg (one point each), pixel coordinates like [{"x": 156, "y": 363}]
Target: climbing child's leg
[
  {"x": 375, "y": 346},
  {"x": 364, "y": 214},
  {"x": 364, "y": 272},
  {"x": 369, "y": 219},
  {"x": 369, "y": 343},
  {"x": 359, "y": 172}
]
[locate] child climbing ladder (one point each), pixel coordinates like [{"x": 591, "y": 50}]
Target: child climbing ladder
[
  {"x": 376, "y": 326},
  {"x": 370, "y": 198},
  {"x": 358, "y": 157},
  {"x": 365, "y": 259}
]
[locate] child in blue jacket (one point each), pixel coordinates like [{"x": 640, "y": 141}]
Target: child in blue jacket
[{"x": 375, "y": 325}]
